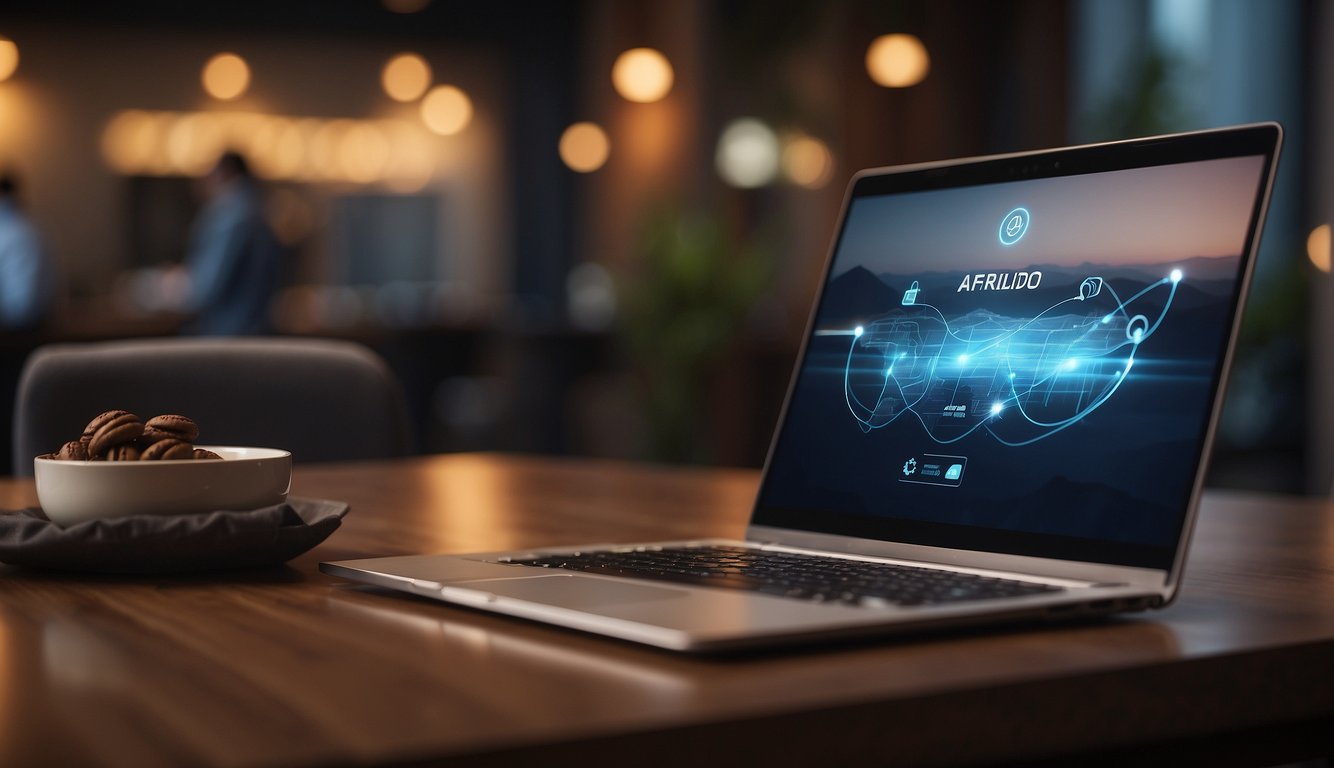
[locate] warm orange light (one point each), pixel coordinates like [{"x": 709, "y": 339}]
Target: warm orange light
[
  {"x": 9, "y": 58},
  {"x": 399, "y": 154},
  {"x": 446, "y": 110},
  {"x": 584, "y": 147},
  {"x": 276, "y": 147},
  {"x": 129, "y": 141},
  {"x": 363, "y": 152},
  {"x": 406, "y": 77},
  {"x": 308, "y": 130},
  {"x": 808, "y": 162},
  {"x": 897, "y": 61},
  {"x": 324, "y": 149},
  {"x": 1318, "y": 247},
  {"x": 642, "y": 74},
  {"x": 412, "y": 160},
  {"x": 194, "y": 142},
  {"x": 226, "y": 76}
]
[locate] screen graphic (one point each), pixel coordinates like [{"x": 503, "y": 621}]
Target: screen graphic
[
  {"x": 1018, "y": 378},
  {"x": 1036, "y": 356}
]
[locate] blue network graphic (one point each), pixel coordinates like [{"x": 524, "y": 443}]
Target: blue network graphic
[{"x": 1020, "y": 379}]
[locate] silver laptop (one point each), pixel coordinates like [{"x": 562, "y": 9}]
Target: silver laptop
[{"x": 1002, "y": 410}]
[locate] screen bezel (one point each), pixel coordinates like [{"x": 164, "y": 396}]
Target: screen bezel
[{"x": 1253, "y": 140}]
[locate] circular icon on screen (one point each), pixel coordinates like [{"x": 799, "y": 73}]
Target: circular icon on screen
[{"x": 1013, "y": 226}]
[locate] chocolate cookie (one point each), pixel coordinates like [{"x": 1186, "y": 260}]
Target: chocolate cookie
[
  {"x": 123, "y": 452},
  {"x": 113, "y": 428},
  {"x": 101, "y": 420},
  {"x": 167, "y": 449},
  {"x": 204, "y": 453},
  {"x": 74, "y": 450},
  {"x": 182, "y": 428}
]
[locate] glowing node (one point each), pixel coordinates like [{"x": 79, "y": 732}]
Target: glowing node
[
  {"x": 1070, "y": 364},
  {"x": 889, "y": 371},
  {"x": 1106, "y": 319},
  {"x": 1013, "y": 227},
  {"x": 995, "y": 409},
  {"x": 1138, "y": 335},
  {"x": 1011, "y": 374},
  {"x": 858, "y": 331},
  {"x": 1176, "y": 275},
  {"x": 963, "y": 359}
]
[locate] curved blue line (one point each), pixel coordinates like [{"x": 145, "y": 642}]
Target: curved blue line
[{"x": 1015, "y": 398}]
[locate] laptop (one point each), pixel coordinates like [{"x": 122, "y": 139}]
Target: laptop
[{"x": 1002, "y": 410}]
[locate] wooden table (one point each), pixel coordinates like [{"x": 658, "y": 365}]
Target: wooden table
[{"x": 291, "y": 667}]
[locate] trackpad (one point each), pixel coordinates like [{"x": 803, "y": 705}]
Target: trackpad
[{"x": 573, "y": 591}]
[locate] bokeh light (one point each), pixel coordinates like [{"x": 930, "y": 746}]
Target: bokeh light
[
  {"x": 9, "y": 58},
  {"x": 897, "y": 61},
  {"x": 446, "y": 110},
  {"x": 808, "y": 162},
  {"x": 584, "y": 147},
  {"x": 226, "y": 76},
  {"x": 194, "y": 142},
  {"x": 130, "y": 140},
  {"x": 642, "y": 74},
  {"x": 1318, "y": 247},
  {"x": 399, "y": 154},
  {"x": 307, "y": 128},
  {"x": 406, "y": 77},
  {"x": 276, "y": 148},
  {"x": 747, "y": 153},
  {"x": 413, "y": 158},
  {"x": 363, "y": 152},
  {"x": 325, "y": 163}
]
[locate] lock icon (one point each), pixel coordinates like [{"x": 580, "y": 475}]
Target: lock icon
[{"x": 910, "y": 295}]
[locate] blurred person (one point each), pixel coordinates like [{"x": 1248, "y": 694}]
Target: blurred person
[
  {"x": 26, "y": 286},
  {"x": 234, "y": 265}
]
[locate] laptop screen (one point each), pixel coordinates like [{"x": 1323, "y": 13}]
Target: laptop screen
[{"x": 1024, "y": 354}]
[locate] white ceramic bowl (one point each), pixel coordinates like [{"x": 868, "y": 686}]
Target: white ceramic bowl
[{"x": 74, "y": 491}]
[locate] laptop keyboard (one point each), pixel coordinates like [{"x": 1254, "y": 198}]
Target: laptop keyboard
[{"x": 790, "y": 574}]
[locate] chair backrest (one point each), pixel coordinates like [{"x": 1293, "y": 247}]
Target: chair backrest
[{"x": 324, "y": 400}]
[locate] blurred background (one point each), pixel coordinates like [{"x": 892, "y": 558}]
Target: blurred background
[{"x": 595, "y": 227}]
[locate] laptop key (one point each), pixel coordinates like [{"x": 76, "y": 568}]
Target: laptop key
[{"x": 794, "y": 575}]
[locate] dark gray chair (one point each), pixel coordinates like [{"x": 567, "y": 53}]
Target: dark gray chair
[{"x": 323, "y": 400}]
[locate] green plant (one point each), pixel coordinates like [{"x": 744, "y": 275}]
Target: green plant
[{"x": 685, "y": 306}]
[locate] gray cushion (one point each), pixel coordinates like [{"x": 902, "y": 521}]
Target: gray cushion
[{"x": 321, "y": 399}]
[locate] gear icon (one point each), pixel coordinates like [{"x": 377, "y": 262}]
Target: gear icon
[{"x": 909, "y": 467}]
